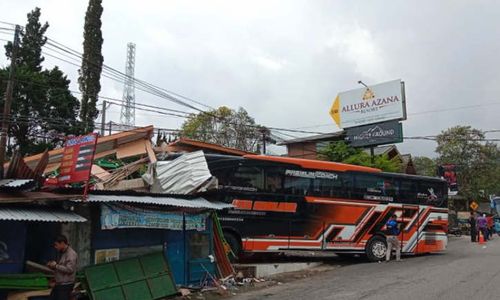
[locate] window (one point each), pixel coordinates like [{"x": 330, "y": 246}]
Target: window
[
  {"x": 408, "y": 191},
  {"x": 375, "y": 187},
  {"x": 199, "y": 245},
  {"x": 223, "y": 175},
  {"x": 248, "y": 177},
  {"x": 335, "y": 186},
  {"x": 274, "y": 177},
  {"x": 431, "y": 193},
  {"x": 297, "y": 185}
]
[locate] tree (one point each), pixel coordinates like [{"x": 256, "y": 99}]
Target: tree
[
  {"x": 90, "y": 72},
  {"x": 477, "y": 160},
  {"x": 43, "y": 108},
  {"x": 425, "y": 166},
  {"x": 33, "y": 39},
  {"x": 342, "y": 152},
  {"x": 224, "y": 126}
]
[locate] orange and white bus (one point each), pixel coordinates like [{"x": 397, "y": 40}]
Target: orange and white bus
[{"x": 286, "y": 203}]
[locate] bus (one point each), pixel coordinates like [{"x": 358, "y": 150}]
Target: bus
[{"x": 283, "y": 203}]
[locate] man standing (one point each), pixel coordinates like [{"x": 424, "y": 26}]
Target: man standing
[
  {"x": 392, "y": 238},
  {"x": 64, "y": 269},
  {"x": 490, "y": 224},
  {"x": 473, "y": 229}
]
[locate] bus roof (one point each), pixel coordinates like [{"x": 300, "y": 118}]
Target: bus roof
[{"x": 314, "y": 164}]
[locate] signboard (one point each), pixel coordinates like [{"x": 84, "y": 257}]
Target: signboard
[
  {"x": 106, "y": 255},
  {"x": 474, "y": 205},
  {"x": 77, "y": 159},
  {"x": 377, "y": 103},
  {"x": 124, "y": 216},
  {"x": 449, "y": 173},
  {"x": 375, "y": 134}
]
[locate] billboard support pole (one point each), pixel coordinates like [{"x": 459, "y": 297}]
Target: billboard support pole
[
  {"x": 372, "y": 154},
  {"x": 86, "y": 188}
]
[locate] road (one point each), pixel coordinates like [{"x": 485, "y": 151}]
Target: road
[{"x": 464, "y": 271}]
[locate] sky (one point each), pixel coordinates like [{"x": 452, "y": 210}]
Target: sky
[{"x": 285, "y": 61}]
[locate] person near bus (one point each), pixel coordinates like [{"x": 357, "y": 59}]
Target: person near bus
[
  {"x": 490, "y": 224},
  {"x": 64, "y": 269},
  {"x": 482, "y": 226},
  {"x": 473, "y": 227},
  {"x": 392, "y": 238}
]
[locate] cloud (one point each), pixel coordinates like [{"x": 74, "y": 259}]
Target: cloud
[{"x": 284, "y": 61}]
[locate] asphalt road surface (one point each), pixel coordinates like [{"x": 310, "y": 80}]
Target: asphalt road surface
[{"x": 465, "y": 271}]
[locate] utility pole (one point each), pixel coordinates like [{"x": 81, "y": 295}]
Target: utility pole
[
  {"x": 263, "y": 131},
  {"x": 103, "y": 118},
  {"x": 8, "y": 100}
]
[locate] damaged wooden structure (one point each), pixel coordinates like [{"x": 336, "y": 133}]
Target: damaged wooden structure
[{"x": 138, "y": 204}]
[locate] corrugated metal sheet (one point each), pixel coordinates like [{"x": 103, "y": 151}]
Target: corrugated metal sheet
[
  {"x": 182, "y": 175},
  {"x": 39, "y": 214},
  {"x": 17, "y": 184},
  {"x": 14, "y": 182},
  {"x": 168, "y": 201}
]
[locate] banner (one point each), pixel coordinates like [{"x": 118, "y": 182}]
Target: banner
[
  {"x": 123, "y": 216},
  {"x": 77, "y": 159},
  {"x": 375, "y": 134}
]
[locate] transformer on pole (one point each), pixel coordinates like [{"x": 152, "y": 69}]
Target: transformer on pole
[{"x": 127, "y": 116}]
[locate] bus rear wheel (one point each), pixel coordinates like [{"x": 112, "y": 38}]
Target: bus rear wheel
[{"x": 376, "y": 248}]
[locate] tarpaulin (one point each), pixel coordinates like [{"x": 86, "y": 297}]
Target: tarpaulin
[{"x": 115, "y": 216}]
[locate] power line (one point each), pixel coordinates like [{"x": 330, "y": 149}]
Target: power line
[
  {"x": 147, "y": 87},
  {"x": 162, "y": 89},
  {"x": 150, "y": 87},
  {"x": 115, "y": 101}
]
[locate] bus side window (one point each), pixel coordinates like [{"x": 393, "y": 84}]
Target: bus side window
[
  {"x": 390, "y": 188},
  {"x": 249, "y": 177},
  {"x": 335, "y": 187},
  {"x": 297, "y": 185},
  {"x": 367, "y": 185},
  {"x": 430, "y": 193},
  {"x": 274, "y": 180},
  {"x": 408, "y": 191},
  {"x": 375, "y": 187},
  {"x": 223, "y": 175}
]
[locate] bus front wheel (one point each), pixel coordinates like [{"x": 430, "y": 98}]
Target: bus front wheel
[{"x": 376, "y": 248}]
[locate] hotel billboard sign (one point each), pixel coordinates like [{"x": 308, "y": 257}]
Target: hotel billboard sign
[{"x": 368, "y": 105}]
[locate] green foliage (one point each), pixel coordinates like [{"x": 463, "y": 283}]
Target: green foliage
[
  {"x": 342, "y": 152},
  {"x": 224, "y": 126},
  {"x": 90, "y": 72},
  {"x": 29, "y": 55},
  {"x": 43, "y": 109},
  {"x": 477, "y": 160},
  {"x": 425, "y": 166}
]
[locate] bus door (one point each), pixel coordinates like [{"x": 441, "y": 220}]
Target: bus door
[
  {"x": 306, "y": 227},
  {"x": 410, "y": 228}
]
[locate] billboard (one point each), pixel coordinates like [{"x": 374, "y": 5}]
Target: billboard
[
  {"x": 77, "y": 159},
  {"x": 375, "y": 134},
  {"x": 377, "y": 103},
  {"x": 449, "y": 173}
]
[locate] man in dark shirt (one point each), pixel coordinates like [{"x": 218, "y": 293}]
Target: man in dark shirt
[
  {"x": 473, "y": 229},
  {"x": 64, "y": 269},
  {"x": 392, "y": 238}
]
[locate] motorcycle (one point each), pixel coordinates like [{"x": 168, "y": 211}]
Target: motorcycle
[{"x": 456, "y": 231}]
